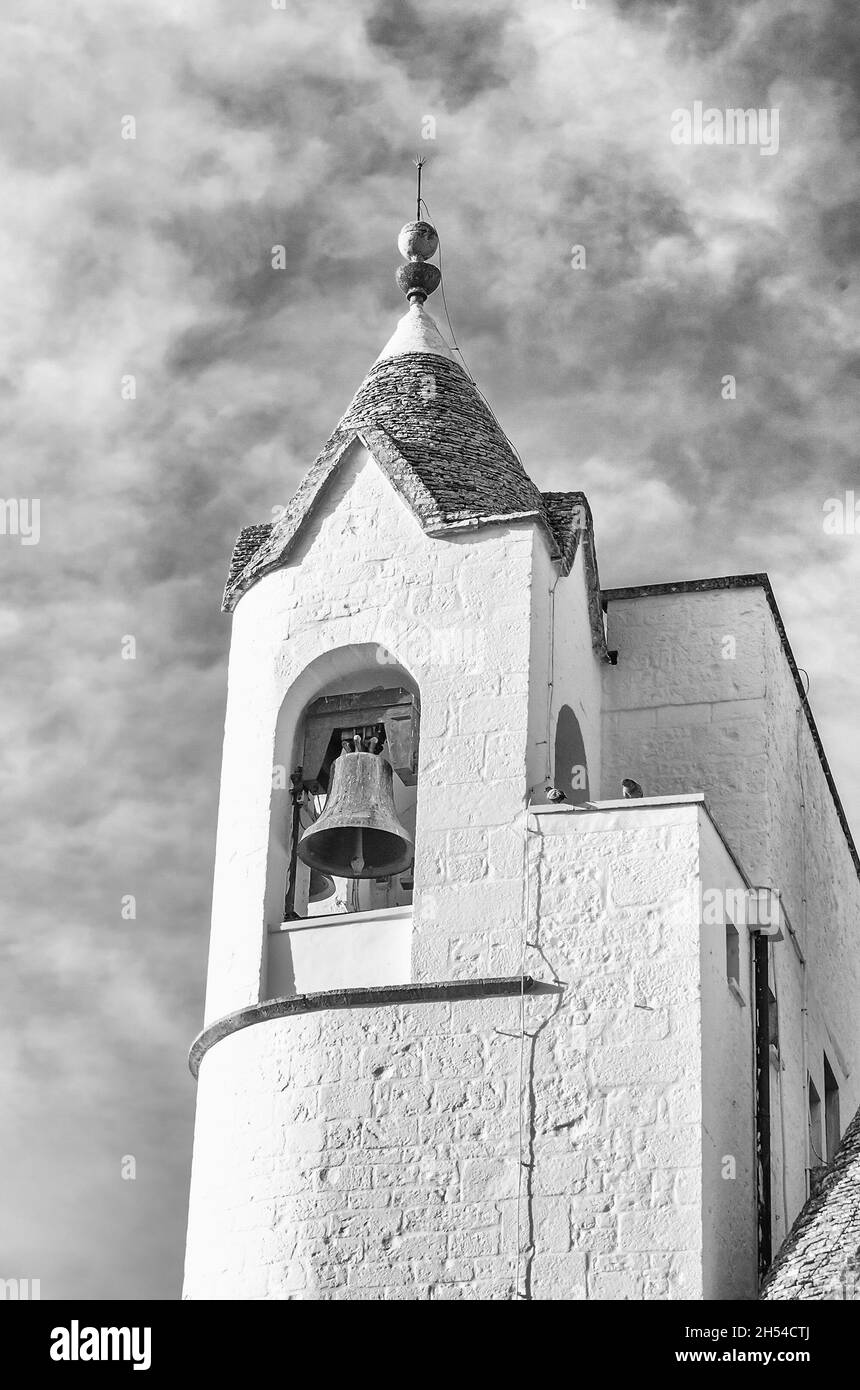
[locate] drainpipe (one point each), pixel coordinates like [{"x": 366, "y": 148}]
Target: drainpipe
[{"x": 762, "y": 1115}]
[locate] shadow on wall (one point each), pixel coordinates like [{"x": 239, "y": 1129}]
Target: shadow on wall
[{"x": 570, "y": 769}]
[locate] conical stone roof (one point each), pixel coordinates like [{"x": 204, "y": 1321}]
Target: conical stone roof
[{"x": 432, "y": 412}]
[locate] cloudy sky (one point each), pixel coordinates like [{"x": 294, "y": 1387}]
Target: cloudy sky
[{"x": 151, "y": 258}]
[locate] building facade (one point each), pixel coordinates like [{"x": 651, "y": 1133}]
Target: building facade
[{"x": 588, "y": 1043}]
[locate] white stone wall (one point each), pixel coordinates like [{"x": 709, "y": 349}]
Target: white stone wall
[
  {"x": 810, "y": 863},
  {"x": 729, "y": 1198},
  {"x": 679, "y": 716},
  {"x": 456, "y": 614},
  {"x": 467, "y": 618},
  {"x": 364, "y": 589},
  {"x": 688, "y": 710},
  {"x": 377, "y": 1153},
  {"x": 344, "y": 951}
]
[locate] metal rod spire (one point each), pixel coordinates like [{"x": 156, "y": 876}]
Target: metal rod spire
[{"x": 419, "y": 165}]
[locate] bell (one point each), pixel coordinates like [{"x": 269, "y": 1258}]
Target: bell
[
  {"x": 320, "y": 888},
  {"x": 358, "y": 834}
]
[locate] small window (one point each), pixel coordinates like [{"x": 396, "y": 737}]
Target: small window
[
  {"x": 733, "y": 958},
  {"x": 831, "y": 1112},
  {"x": 816, "y": 1156}
]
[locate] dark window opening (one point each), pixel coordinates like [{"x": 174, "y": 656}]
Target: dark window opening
[
  {"x": 816, "y": 1155},
  {"x": 831, "y": 1112},
  {"x": 733, "y": 956},
  {"x": 772, "y": 1021}
]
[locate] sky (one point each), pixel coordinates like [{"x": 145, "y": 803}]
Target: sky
[{"x": 546, "y": 126}]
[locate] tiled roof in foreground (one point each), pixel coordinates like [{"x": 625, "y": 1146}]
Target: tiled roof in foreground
[{"x": 821, "y": 1257}]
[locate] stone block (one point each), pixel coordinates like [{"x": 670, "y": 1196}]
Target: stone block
[
  {"x": 490, "y": 1179},
  {"x": 662, "y": 1229}
]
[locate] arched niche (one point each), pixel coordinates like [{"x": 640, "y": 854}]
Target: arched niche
[
  {"x": 354, "y": 668},
  {"x": 570, "y": 764}
]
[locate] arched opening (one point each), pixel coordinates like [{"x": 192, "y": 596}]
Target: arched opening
[
  {"x": 344, "y": 790},
  {"x": 570, "y": 766}
]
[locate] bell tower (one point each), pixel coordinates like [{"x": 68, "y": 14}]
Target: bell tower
[
  {"x": 394, "y": 687},
  {"x": 391, "y": 683}
]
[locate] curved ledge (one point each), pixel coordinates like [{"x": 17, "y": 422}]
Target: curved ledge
[{"x": 367, "y": 997}]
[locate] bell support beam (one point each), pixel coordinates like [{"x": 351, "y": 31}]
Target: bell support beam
[{"x": 396, "y": 709}]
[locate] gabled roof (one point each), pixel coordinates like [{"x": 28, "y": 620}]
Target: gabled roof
[
  {"x": 821, "y": 1257},
  {"x": 421, "y": 417}
]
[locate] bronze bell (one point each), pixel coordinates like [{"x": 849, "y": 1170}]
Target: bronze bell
[
  {"x": 358, "y": 834},
  {"x": 320, "y": 887}
]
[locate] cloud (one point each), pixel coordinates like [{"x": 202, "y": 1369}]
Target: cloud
[{"x": 461, "y": 54}]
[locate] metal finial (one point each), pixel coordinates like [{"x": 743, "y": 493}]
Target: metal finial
[
  {"x": 418, "y": 241},
  {"x": 419, "y": 163}
]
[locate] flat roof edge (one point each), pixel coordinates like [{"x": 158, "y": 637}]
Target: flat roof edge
[
  {"x": 689, "y": 586},
  {"x": 694, "y": 800}
]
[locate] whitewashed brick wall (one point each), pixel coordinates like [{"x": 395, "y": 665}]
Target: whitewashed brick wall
[
  {"x": 682, "y": 716},
  {"x": 376, "y": 1153},
  {"x": 367, "y": 578}
]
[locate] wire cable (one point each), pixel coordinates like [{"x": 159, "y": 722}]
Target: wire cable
[
  {"x": 804, "y": 1039},
  {"x": 782, "y": 1164}
]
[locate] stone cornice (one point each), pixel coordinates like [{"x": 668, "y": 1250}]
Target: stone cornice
[{"x": 366, "y": 997}]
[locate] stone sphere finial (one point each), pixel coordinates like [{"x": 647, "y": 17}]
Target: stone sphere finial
[{"x": 418, "y": 241}]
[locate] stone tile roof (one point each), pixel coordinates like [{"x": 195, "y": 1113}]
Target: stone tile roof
[
  {"x": 248, "y": 542},
  {"x": 569, "y": 516},
  {"x": 821, "y": 1257},
  {"x": 441, "y": 426}
]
